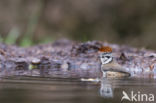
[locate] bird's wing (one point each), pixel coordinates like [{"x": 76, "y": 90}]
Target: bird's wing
[{"x": 113, "y": 66}]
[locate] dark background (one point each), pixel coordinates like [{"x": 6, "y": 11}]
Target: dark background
[{"x": 29, "y": 22}]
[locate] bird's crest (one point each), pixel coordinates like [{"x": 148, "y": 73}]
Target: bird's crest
[{"x": 105, "y": 49}]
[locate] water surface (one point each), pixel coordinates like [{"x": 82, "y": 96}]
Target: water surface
[{"x": 70, "y": 90}]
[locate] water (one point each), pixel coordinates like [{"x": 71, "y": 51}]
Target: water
[{"x": 70, "y": 90}]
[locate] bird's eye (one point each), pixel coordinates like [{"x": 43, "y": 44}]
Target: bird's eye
[
  {"x": 103, "y": 56},
  {"x": 107, "y": 56}
]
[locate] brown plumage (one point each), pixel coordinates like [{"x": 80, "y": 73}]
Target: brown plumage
[{"x": 113, "y": 69}]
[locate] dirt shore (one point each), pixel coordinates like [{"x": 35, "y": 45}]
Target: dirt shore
[{"x": 69, "y": 59}]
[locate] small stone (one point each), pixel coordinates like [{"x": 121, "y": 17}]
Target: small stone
[
  {"x": 65, "y": 66},
  {"x": 152, "y": 55},
  {"x": 123, "y": 57},
  {"x": 20, "y": 60},
  {"x": 84, "y": 66},
  {"x": 35, "y": 61},
  {"x": 22, "y": 65},
  {"x": 2, "y": 52}
]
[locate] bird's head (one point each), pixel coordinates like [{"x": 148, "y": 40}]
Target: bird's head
[{"x": 105, "y": 54}]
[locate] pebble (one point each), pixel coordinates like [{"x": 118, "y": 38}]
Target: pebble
[
  {"x": 84, "y": 66},
  {"x": 65, "y": 66},
  {"x": 20, "y": 60},
  {"x": 36, "y": 61},
  {"x": 150, "y": 54}
]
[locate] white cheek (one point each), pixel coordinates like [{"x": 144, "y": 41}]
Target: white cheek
[{"x": 103, "y": 60}]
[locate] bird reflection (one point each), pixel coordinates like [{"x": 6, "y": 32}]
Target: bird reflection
[{"x": 106, "y": 89}]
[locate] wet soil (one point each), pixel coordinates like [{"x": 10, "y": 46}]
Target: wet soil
[{"x": 65, "y": 58}]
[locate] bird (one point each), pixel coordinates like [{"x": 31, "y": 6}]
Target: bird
[{"x": 109, "y": 66}]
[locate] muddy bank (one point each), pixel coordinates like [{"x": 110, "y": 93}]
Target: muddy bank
[{"x": 65, "y": 58}]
